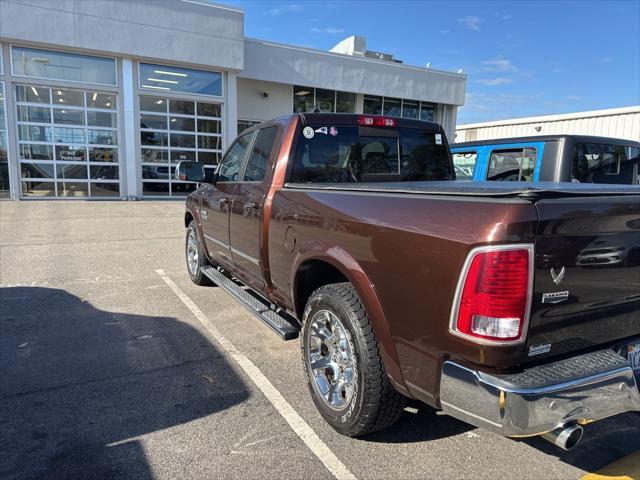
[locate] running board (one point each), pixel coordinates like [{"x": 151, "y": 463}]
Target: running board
[{"x": 280, "y": 322}]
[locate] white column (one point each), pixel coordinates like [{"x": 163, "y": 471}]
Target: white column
[
  {"x": 129, "y": 162},
  {"x": 359, "y": 102},
  {"x": 231, "y": 104}
]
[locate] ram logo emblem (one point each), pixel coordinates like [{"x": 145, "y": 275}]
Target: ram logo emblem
[{"x": 557, "y": 277}]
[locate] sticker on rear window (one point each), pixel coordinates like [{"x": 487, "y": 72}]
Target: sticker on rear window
[
  {"x": 308, "y": 132},
  {"x": 333, "y": 131},
  {"x": 322, "y": 130},
  {"x": 438, "y": 139}
]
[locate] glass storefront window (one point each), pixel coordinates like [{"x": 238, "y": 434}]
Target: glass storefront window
[
  {"x": 345, "y": 102},
  {"x": 4, "y": 146},
  {"x": 372, "y": 105},
  {"x": 173, "y": 130},
  {"x": 325, "y": 100},
  {"x": 177, "y": 79},
  {"x": 303, "y": 99},
  {"x": 71, "y": 67},
  {"x": 409, "y": 109},
  {"x": 392, "y": 107},
  {"x": 245, "y": 124},
  {"x": 427, "y": 112},
  {"x": 66, "y": 137}
]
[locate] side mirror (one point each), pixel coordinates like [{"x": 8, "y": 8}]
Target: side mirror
[{"x": 190, "y": 172}]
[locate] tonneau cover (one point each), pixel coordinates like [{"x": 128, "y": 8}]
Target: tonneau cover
[{"x": 488, "y": 189}]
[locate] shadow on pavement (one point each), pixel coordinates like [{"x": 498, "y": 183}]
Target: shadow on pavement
[
  {"x": 419, "y": 426},
  {"x": 78, "y": 385}
]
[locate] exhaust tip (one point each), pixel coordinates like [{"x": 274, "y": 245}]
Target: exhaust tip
[{"x": 565, "y": 437}]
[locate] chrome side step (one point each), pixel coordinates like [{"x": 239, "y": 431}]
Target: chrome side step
[{"x": 280, "y": 322}]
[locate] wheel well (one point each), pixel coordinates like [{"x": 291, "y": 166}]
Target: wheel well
[
  {"x": 187, "y": 219},
  {"x": 312, "y": 275}
]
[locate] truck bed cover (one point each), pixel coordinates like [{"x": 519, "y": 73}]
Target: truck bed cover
[{"x": 534, "y": 190}]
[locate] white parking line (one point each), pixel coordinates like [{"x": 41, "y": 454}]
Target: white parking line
[{"x": 295, "y": 421}]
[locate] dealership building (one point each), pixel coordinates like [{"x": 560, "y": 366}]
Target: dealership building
[{"x": 101, "y": 98}]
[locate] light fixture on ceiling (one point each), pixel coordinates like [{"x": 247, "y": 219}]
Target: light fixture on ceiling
[
  {"x": 108, "y": 104},
  {"x": 159, "y": 102},
  {"x": 59, "y": 92},
  {"x": 155, "y": 87},
  {"x": 35, "y": 92},
  {"x": 161, "y": 80},
  {"x": 93, "y": 98},
  {"x": 164, "y": 72},
  {"x": 301, "y": 93}
]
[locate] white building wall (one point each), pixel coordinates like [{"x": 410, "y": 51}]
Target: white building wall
[
  {"x": 617, "y": 123},
  {"x": 253, "y": 105}
]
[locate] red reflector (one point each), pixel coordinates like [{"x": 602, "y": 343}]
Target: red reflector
[
  {"x": 372, "y": 121},
  {"x": 494, "y": 298}
]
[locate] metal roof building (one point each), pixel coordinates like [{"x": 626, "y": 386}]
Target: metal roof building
[{"x": 613, "y": 122}]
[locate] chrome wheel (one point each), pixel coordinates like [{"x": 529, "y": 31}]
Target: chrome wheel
[
  {"x": 331, "y": 359},
  {"x": 192, "y": 252}
]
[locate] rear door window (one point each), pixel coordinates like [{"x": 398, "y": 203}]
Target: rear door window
[
  {"x": 604, "y": 163},
  {"x": 512, "y": 165},
  {"x": 464, "y": 164},
  {"x": 259, "y": 158},
  {"x": 368, "y": 154}
]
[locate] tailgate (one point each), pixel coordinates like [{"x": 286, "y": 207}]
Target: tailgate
[{"x": 587, "y": 274}]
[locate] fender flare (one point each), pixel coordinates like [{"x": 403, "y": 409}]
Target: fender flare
[{"x": 353, "y": 272}]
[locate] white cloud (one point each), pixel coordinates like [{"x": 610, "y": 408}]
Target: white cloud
[
  {"x": 330, "y": 30},
  {"x": 498, "y": 65},
  {"x": 288, "y": 8},
  {"x": 494, "y": 82},
  {"x": 471, "y": 22}
]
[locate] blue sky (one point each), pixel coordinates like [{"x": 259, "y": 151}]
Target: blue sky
[{"x": 522, "y": 57}]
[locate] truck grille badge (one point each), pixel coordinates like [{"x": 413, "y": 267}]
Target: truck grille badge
[{"x": 557, "y": 277}]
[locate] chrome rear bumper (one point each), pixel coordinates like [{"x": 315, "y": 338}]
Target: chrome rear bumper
[{"x": 579, "y": 390}]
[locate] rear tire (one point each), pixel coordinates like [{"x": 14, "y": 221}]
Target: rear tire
[
  {"x": 341, "y": 357},
  {"x": 195, "y": 257}
]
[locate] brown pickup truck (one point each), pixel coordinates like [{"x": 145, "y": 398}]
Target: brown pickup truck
[{"x": 515, "y": 308}]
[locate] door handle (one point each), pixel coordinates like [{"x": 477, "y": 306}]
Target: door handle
[{"x": 252, "y": 205}]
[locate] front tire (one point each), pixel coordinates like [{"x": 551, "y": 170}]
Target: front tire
[
  {"x": 194, "y": 256},
  {"x": 342, "y": 363}
]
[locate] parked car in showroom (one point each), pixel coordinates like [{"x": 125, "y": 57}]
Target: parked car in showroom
[{"x": 350, "y": 231}]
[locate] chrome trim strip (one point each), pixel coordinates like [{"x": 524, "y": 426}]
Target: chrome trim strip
[
  {"x": 215, "y": 240},
  {"x": 249, "y": 258},
  {"x": 458, "y": 294}
]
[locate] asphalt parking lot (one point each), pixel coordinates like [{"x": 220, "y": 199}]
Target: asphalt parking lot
[{"x": 106, "y": 372}]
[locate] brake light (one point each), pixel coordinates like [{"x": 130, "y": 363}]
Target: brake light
[
  {"x": 372, "y": 121},
  {"x": 494, "y": 295}
]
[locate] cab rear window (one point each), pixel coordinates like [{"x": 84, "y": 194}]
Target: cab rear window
[
  {"x": 605, "y": 163},
  {"x": 368, "y": 154}
]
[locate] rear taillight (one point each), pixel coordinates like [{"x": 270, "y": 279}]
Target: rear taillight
[
  {"x": 373, "y": 121},
  {"x": 494, "y": 294}
]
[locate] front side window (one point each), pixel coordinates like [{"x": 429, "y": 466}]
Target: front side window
[
  {"x": 464, "y": 164},
  {"x": 163, "y": 78},
  {"x": 259, "y": 158},
  {"x": 604, "y": 163},
  {"x": 366, "y": 154},
  {"x": 232, "y": 161},
  {"x": 516, "y": 164},
  {"x": 71, "y": 67}
]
